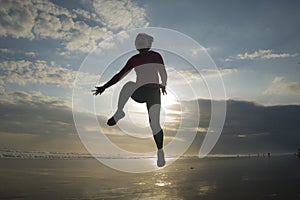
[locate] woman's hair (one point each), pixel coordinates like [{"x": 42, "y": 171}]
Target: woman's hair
[{"x": 143, "y": 41}]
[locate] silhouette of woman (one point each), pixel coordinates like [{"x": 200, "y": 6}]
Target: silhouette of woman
[{"x": 148, "y": 65}]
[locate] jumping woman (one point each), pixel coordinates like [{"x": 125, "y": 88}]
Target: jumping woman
[{"x": 148, "y": 66}]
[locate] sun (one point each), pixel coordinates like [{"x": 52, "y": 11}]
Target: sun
[
  {"x": 168, "y": 99},
  {"x": 138, "y": 113}
]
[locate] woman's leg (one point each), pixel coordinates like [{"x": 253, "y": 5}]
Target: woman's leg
[
  {"x": 154, "y": 120},
  {"x": 154, "y": 115},
  {"x": 126, "y": 92}
]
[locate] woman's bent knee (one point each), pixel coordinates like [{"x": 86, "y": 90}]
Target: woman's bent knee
[{"x": 130, "y": 84}]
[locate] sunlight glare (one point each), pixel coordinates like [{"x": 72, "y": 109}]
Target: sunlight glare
[
  {"x": 138, "y": 114},
  {"x": 168, "y": 99}
]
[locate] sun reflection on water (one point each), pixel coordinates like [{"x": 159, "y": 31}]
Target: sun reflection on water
[
  {"x": 162, "y": 184},
  {"x": 162, "y": 179}
]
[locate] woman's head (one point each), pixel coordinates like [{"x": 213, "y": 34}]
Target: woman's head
[{"x": 143, "y": 41}]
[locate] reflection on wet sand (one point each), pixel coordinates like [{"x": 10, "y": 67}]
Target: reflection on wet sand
[{"x": 188, "y": 178}]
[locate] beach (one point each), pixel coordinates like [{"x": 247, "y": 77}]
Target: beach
[{"x": 276, "y": 177}]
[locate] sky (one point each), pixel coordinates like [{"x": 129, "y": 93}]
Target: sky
[{"x": 254, "y": 44}]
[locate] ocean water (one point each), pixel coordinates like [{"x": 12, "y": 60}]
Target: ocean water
[{"x": 277, "y": 177}]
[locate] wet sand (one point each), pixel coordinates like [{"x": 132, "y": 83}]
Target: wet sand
[{"x": 189, "y": 178}]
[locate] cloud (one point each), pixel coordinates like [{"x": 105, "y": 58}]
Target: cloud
[
  {"x": 36, "y": 122},
  {"x": 120, "y": 14},
  {"x": 2, "y": 89},
  {"x": 85, "y": 14},
  {"x": 35, "y": 20},
  {"x": 33, "y": 121},
  {"x": 30, "y": 53},
  {"x": 252, "y": 135},
  {"x": 20, "y": 110},
  {"x": 192, "y": 75},
  {"x": 220, "y": 72},
  {"x": 261, "y": 54},
  {"x": 280, "y": 86},
  {"x": 22, "y": 72},
  {"x": 251, "y": 128},
  {"x": 46, "y": 123},
  {"x": 34, "y": 98},
  {"x": 84, "y": 37},
  {"x": 202, "y": 130},
  {"x": 197, "y": 51},
  {"x": 6, "y": 51},
  {"x": 17, "y": 19}
]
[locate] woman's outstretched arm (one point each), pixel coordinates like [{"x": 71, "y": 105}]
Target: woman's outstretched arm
[{"x": 124, "y": 71}]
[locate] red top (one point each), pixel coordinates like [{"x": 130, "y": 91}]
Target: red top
[{"x": 147, "y": 67}]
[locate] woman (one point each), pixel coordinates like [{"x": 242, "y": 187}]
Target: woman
[{"x": 148, "y": 66}]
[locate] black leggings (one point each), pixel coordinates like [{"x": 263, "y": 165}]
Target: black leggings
[{"x": 149, "y": 94}]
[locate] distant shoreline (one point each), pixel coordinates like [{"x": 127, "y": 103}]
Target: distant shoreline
[{"x": 15, "y": 154}]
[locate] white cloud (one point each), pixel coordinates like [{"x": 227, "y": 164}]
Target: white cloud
[
  {"x": 280, "y": 86},
  {"x": 84, "y": 13},
  {"x": 253, "y": 135},
  {"x": 17, "y": 19},
  {"x": 2, "y": 89},
  {"x": 84, "y": 37},
  {"x": 43, "y": 19},
  {"x": 220, "y": 72},
  {"x": 191, "y": 75},
  {"x": 202, "y": 129},
  {"x": 256, "y": 54},
  {"x": 120, "y": 14},
  {"x": 75, "y": 35},
  {"x": 261, "y": 54},
  {"x": 34, "y": 98},
  {"x": 6, "y": 51},
  {"x": 30, "y": 53},
  {"x": 199, "y": 50},
  {"x": 22, "y": 72}
]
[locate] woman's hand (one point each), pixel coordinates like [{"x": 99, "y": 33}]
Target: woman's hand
[
  {"x": 99, "y": 90},
  {"x": 163, "y": 90}
]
